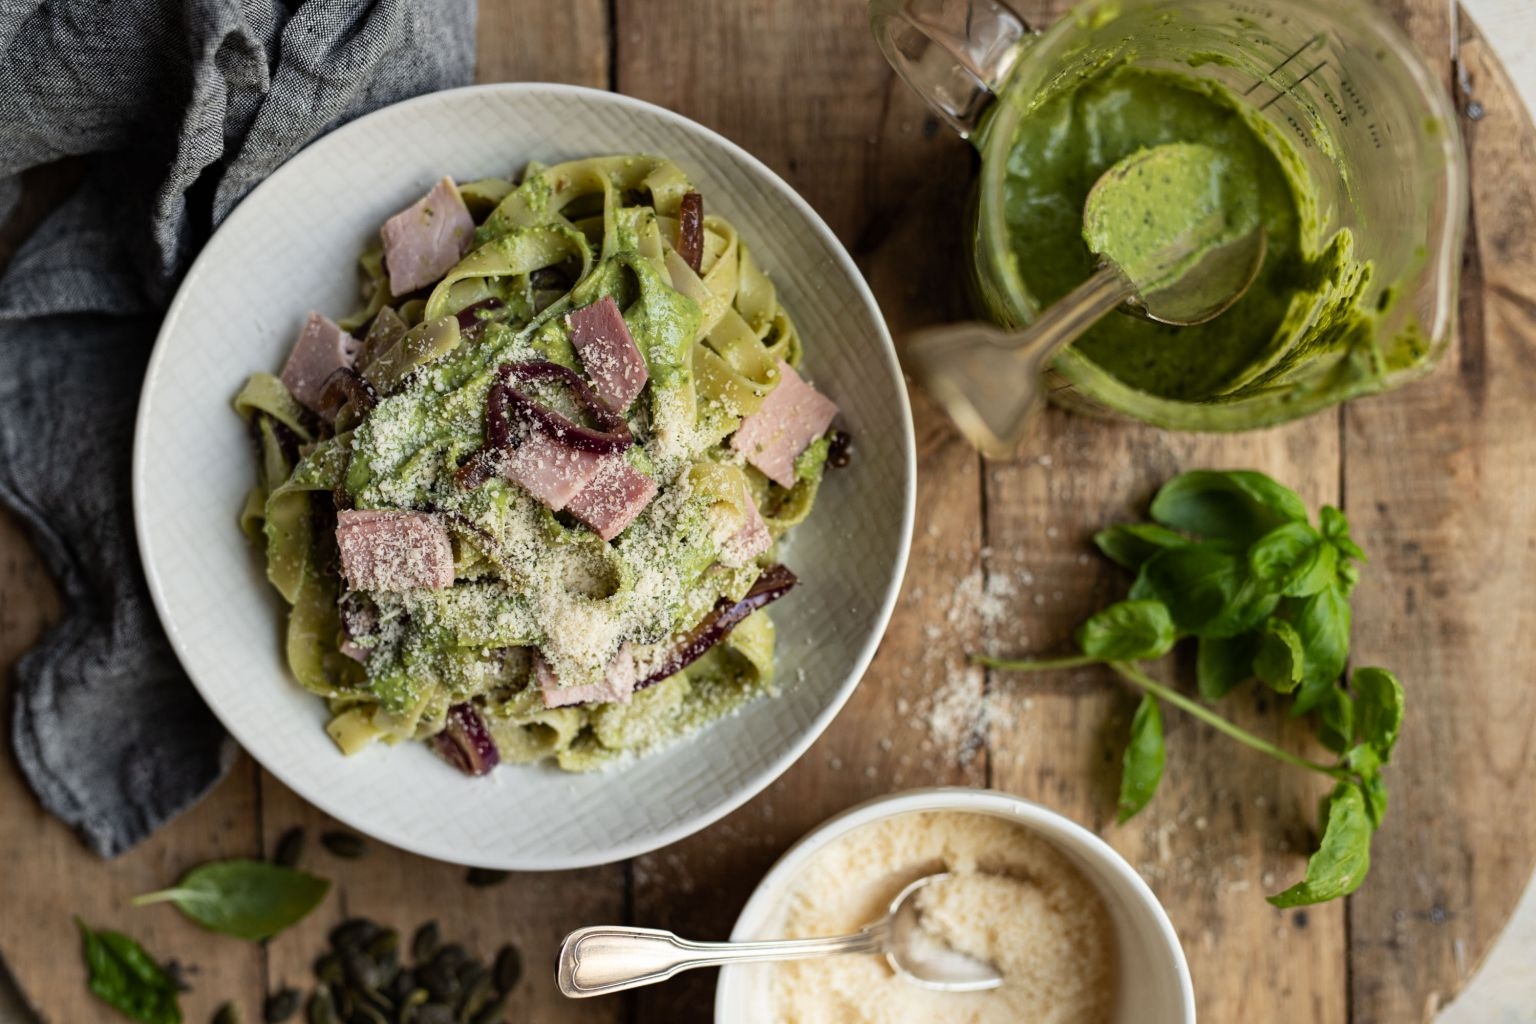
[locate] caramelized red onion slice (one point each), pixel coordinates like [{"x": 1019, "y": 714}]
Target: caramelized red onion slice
[
  {"x": 345, "y": 386},
  {"x": 690, "y": 229},
  {"x": 511, "y": 414},
  {"x": 466, "y": 743},
  {"x": 774, "y": 583},
  {"x": 466, "y": 316}
]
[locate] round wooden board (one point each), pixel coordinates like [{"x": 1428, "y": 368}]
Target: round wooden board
[{"x": 1439, "y": 480}]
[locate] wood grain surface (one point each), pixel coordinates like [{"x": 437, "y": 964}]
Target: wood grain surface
[{"x": 1438, "y": 478}]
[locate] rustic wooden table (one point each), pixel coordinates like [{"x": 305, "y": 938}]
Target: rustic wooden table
[{"x": 1439, "y": 480}]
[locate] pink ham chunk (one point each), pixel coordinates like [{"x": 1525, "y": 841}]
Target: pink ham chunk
[
  {"x": 618, "y": 683},
  {"x": 322, "y": 348},
  {"x": 617, "y": 494},
  {"x": 549, "y": 470},
  {"x": 423, "y": 241},
  {"x": 608, "y": 353},
  {"x": 748, "y": 542},
  {"x": 792, "y": 416},
  {"x": 393, "y": 550}
]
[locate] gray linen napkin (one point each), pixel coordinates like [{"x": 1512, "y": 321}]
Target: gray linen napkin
[{"x": 178, "y": 108}]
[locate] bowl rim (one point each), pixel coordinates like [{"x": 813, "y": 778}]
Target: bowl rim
[
  {"x": 1053, "y": 825},
  {"x": 312, "y": 791}
]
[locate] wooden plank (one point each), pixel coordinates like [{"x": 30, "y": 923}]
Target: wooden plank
[
  {"x": 855, "y": 149},
  {"x": 1441, "y": 483}
]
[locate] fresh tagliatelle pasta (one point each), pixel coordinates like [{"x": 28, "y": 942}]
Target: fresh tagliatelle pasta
[{"x": 525, "y": 502}]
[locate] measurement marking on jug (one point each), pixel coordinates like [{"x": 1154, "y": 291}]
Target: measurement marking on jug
[
  {"x": 1290, "y": 88},
  {"x": 1303, "y": 48}
]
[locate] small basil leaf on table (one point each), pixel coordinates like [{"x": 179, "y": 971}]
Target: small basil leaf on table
[
  {"x": 1222, "y": 663},
  {"x": 1128, "y": 631},
  {"x": 1131, "y": 544},
  {"x": 1379, "y": 701},
  {"x": 245, "y": 898},
  {"x": 1336, "y": 720},
  {"x": 1336, "y": 529},
  {"x": 1143, "y": 764},
  {"x": 1343, "y": 856},
  {"x": 123, "y": 974},
  {"x": 1293, "y": 560},
  {"x": 1281, "y": 657},
  {"x": 1237, "y": 507},
  {"x": 1322, "y": 621}
]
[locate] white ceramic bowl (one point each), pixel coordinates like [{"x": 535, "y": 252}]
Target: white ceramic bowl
[
  {"x": 290, "y": 247},
  {"x": 1153, "y": 977}
]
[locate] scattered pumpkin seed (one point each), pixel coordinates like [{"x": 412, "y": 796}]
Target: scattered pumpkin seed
[
  {"x": 281, "y": 1005},
  {"x": 345, "y": 845},
  {"x": 509, "y": 968},
  {"x": 289, "y": 848},
  {"x": 482, "y": 877},
  {"x": 227, "y": 1014},
  {"x": 321, "y": 1008},
  {"x": 425, "y": 942}
]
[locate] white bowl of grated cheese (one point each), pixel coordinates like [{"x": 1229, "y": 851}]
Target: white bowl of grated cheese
[
  {"x": 288, "y": 248},
  {"x": 1075, "y": 931}
]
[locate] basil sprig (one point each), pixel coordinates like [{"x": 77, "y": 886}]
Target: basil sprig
[
  {"x": 122, "y": 974},
  {"x": 1233, "y": 562},
  {"x": 248, "y": 899}
]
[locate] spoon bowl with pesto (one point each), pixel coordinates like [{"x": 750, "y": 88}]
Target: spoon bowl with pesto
[{"x": 1179, "y": 238}]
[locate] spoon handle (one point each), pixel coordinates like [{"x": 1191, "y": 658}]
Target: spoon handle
[
  {"x": 1064, "y": 321},
  {"x": 596, "y": 961}
]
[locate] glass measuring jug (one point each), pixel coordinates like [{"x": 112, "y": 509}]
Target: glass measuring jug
[{"x": 1368, "y": 127}]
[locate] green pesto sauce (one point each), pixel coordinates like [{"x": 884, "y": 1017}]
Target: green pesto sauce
[
  {"x": 1160, "y": 211},
  {"x": 1063, "y": 147}
]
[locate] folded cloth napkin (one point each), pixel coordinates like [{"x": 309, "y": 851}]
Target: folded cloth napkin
[{"x": 176, "y": 109}]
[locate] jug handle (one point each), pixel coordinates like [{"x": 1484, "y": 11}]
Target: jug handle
[{"x": 955, "y": 54}]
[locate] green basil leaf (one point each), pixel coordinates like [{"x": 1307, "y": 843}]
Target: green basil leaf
[
  {"x": 248, "y": 899},
  {"x": 1207, "y": 590},
  {"x": 1375, "y": 790},
  {"x": 1342, "y": 858},
  {"x": 1363, "y": 760},
  {"x": 1293, "y": 560},
  {"x": 1128, "y": 631},
  {"x": 1379, "y": 701},
  {"x": 1336, "y": 720},
  {"x": 1237, "y": 507},
  {"x": 1131, "y": 544},
  {"x": 1222, "y": 663},
  {"x": 1281, "y": 656},
  {"x": 1143, "y": 765},
  {"x": 1336, "y": 529},
  {"x": 121, "y": 973},
  {"x": 1322, "y": 620}
]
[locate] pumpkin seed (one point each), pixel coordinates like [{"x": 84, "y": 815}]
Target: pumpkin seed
[
  {"x": 354, "y": 933},
  {"x": 435, "y": 1013},
  {"x": 451, "y": 956},
  {"x": 280, "y": 1005},
  {"x": 321, "y": 1008},
  {"x": 490, "y": 1013},
  {"x": 425, "y": 942},
  {"x": 482, "y": 877},
  {"x": 476, "y": 983},
  {"x": 289, "y": 848},
  {"x": 509, "y": 968},
  {"x": 345, "y": 845},
  {"x": 328, "y": 969},
  {"x": 227, "y": 1014}
]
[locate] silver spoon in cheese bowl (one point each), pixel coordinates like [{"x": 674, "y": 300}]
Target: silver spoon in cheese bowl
[{"x": 597, "y": 961}]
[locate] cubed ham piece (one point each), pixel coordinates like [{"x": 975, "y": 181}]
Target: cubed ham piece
[
  {"x": 792, "y": 416},
  {"x": 608, "y": 353},
  {"x": 549, "y": 470},
  {"x": 618, "y": 683},
  {"x": 751, "y": 540},
  {"x": 322, "y": 348},
  {"x": 617, "y": 494},
  {"x": 428, "y": 237},
  {"x": 393, "y": 550}
]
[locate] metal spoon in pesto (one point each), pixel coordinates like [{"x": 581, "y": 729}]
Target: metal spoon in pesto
[
  {"x": 596, "y": 961},
  {"x": 1179, "y": 238}
]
